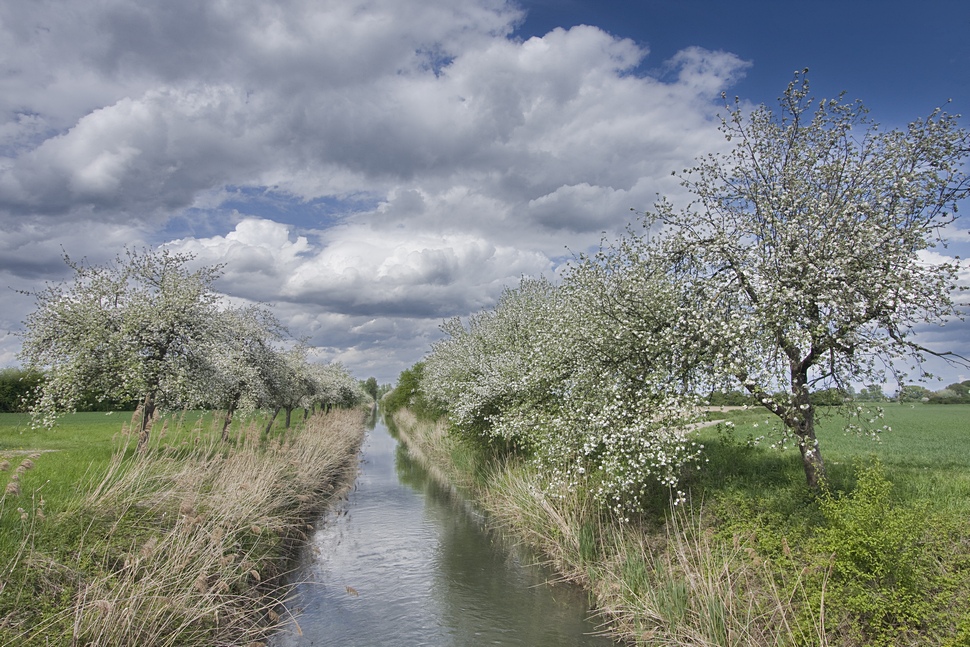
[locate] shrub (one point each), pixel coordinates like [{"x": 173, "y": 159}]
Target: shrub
[
  {"x": 885, "y": 580},
  {"x": 408, "y": 394}
]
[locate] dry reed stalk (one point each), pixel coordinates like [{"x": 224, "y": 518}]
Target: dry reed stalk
[
  {"x": 219, "y": 516},
  {"x": 693, "y": 589},
  {"x": 549, "y": 524}
]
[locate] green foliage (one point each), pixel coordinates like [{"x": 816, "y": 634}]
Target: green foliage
[
  {"x": 408, "y": 394},
  {"x": 733, "y": 398},
  {"x": 957, "y": 393},
  {"x": 884, "y": 576},
  {"x": 833, "y": 397},
  {"x": 871, "y": 393},
  {"x": 913, "y": 393},
  {"x": 370, "y": 386},
  {"x": 16, "y": 388}
]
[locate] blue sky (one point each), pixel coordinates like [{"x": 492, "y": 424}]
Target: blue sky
[
  {"x": 371, "y": 167},
  {"x": 901, "y": 58}
]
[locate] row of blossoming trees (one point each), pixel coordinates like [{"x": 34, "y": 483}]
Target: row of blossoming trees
[
  {"x": 802, "y": 263},
  {"x": 149, "y": 328}
]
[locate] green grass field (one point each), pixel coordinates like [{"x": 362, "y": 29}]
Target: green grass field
[
  {"x": 926, "y": 455},
  {"x": 63, "y": 459},
  {"x": 74, "y": 453},
  {"x": 80, "y": 447}
]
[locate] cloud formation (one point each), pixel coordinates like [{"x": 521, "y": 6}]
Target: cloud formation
[{"x": 368, "y": 167}]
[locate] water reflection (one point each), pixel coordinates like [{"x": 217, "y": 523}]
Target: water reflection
[{"x": 406, "y": 562}]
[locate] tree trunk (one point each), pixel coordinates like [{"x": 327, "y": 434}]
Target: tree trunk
[
  {"x": 800, "y": 419},
  {"x": 147, "y": 413},
  {"x": 811, "y": 454},
  {"x": 289, "y": 413},
  {"x": 269, "y": 425},
  {"x": 802, "y": 423},
  {"x": 228, "y": 419}
]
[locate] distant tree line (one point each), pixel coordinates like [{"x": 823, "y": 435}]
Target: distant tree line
[
  {"x": 149, "y": 330},
  {"x": 956, "y": 393},
  {"x": 407, "y": 393}
]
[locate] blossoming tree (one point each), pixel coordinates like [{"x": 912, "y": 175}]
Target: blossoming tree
[
  {"x": 135, "y": 329},
  {"x": 579, "y": 387},
  {"x": 243, "y": 359},
  {"x": 802, "y": 257}
]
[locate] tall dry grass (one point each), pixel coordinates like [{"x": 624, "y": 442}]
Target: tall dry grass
[
  {"x": 188, "y": 543},
  {"x": 669, "y": 584}
]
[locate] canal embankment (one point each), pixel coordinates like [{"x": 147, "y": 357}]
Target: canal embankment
[
  {"x": 750, "y": 555},
  {"x": 189, "y": 542}
]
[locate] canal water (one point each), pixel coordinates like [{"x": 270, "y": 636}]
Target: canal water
[{"x": 405, "y": 562}]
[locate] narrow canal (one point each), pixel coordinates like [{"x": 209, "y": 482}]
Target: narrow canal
[{"x": 405, "y": 563}]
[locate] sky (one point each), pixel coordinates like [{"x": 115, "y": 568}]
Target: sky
[{"x": 370, "y": 168}]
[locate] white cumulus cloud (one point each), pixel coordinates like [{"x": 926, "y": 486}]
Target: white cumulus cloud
[{"x": 368, "y": 167}]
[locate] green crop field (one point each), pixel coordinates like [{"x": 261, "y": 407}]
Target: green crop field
[{"x": 926, "y": 452}]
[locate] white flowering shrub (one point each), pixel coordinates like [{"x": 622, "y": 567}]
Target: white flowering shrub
[
  {"x": 481, "y": 373},
  {"x": 576, "y": 377}
]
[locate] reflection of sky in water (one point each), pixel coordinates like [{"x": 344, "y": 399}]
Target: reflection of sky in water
[{"x": 421, "y": 571}]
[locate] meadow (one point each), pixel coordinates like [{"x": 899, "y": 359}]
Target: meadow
[
  {"x": 925, "y": 454},
  {"x": 187, "y": 543},
  {"x": 881, "y": 556}
]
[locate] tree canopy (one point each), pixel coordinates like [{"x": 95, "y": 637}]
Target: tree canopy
[
  {"x": 800, "y": 266},
  {"x": 802, "y": 258},
  {"x": 134, "y": 329}
]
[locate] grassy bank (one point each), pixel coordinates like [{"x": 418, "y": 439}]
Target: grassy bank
[
  {"x": 753, "y": 558},
  {"x": 185, "y": 544}
]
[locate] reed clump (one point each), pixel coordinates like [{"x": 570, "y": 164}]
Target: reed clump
[
  {"x": 186, "y": 543},
  {"x": 669, "y": 584}
]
